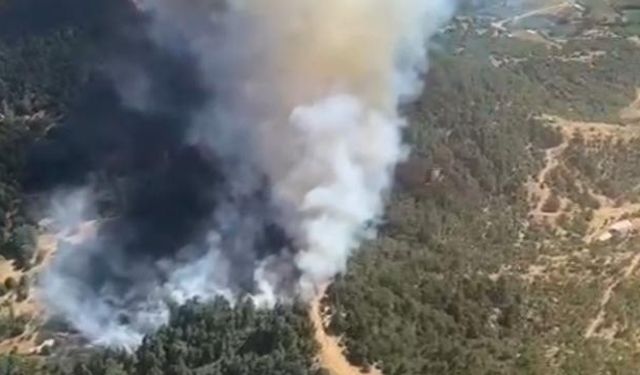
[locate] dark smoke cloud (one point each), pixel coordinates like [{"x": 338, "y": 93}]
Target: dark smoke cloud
[
  {"x": 233, "y": 148},
  {"x": 36, "y": 17},
  {"x": 124, "y": 149}
]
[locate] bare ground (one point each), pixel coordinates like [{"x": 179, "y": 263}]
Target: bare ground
[
  {"x": 331, "y": 355},
  {"x": 29, "y": 307},
  {"x": 552, "y": 7},
  {"x": 608, "y": 293}
]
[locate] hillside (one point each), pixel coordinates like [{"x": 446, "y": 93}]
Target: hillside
[{"x": 510, "y": 243}]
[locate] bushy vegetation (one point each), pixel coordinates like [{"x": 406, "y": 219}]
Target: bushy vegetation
[
  {"x": 39, "y": 76},
  {"x": 610, "y": 166},
  {"x": 11, "y": 324},
  {"x": 200, "y": 339},
  {"x": 40, "y": 73},
  {"x": 441, "y": 291}
]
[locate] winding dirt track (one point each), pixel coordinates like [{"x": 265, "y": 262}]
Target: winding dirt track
[
  {"x": 608, "y": 293},
  {"x": 534, "y": 12},
  {"x": 539, "y": 189},
  {"x": 331, "y": 355}
]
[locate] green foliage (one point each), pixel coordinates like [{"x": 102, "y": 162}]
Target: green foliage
[
  {"x": 11, "y": 325},
  {"x": 215, "y": 338},
  {"x": 427, "y": 297},
  {"x": 10, "y": 283},
  {"x": 11, "y": 364},
  {"x": 41, "y": 73},
  {"x": 39, "y": 77},
  {"x": 431, "y": 295},
  {"x": 612, "y": 167}
]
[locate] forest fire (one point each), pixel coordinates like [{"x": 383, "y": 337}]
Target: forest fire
[{"x": 241, "y": 151}]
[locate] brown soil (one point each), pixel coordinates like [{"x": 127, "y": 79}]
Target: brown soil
[
  {"x": 608, "y": 293},
  {"x": 30, "y": 307},
  {"x": 331, "y": 355}
]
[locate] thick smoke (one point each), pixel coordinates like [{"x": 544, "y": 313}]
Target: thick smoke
[{"x": 239, "y": 148}]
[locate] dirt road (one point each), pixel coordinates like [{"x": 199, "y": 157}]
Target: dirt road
[
  {"x": 331, "y": 356},
  {"x": 608, "y": 293},
  {"x": 513, "y": 19}
]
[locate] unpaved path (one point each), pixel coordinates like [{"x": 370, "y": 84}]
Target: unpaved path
[
  {"x": 608, "y": 293},
  {"x": 500, "y": 24},
  {"x": 331, "y": 355},
  {"x": 539, "y": 189},
  {"x": 608, "y": 210},
  {"x": 631, "y": 114}
]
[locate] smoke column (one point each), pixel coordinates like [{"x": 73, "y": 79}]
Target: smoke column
[{"x": 250, "y": 146}]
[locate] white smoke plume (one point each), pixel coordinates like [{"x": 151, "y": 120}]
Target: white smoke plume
[
  {"x": 325, "y": 78},
  {"x": 306, "y": 92}
]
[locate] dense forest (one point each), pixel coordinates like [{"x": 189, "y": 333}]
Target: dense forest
[
  {"x": 41, "y": 71},
  {"x": 213, "y": 338},
  {"x": 432, "y": 294},
  {"x": 44, "y": 63}
]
